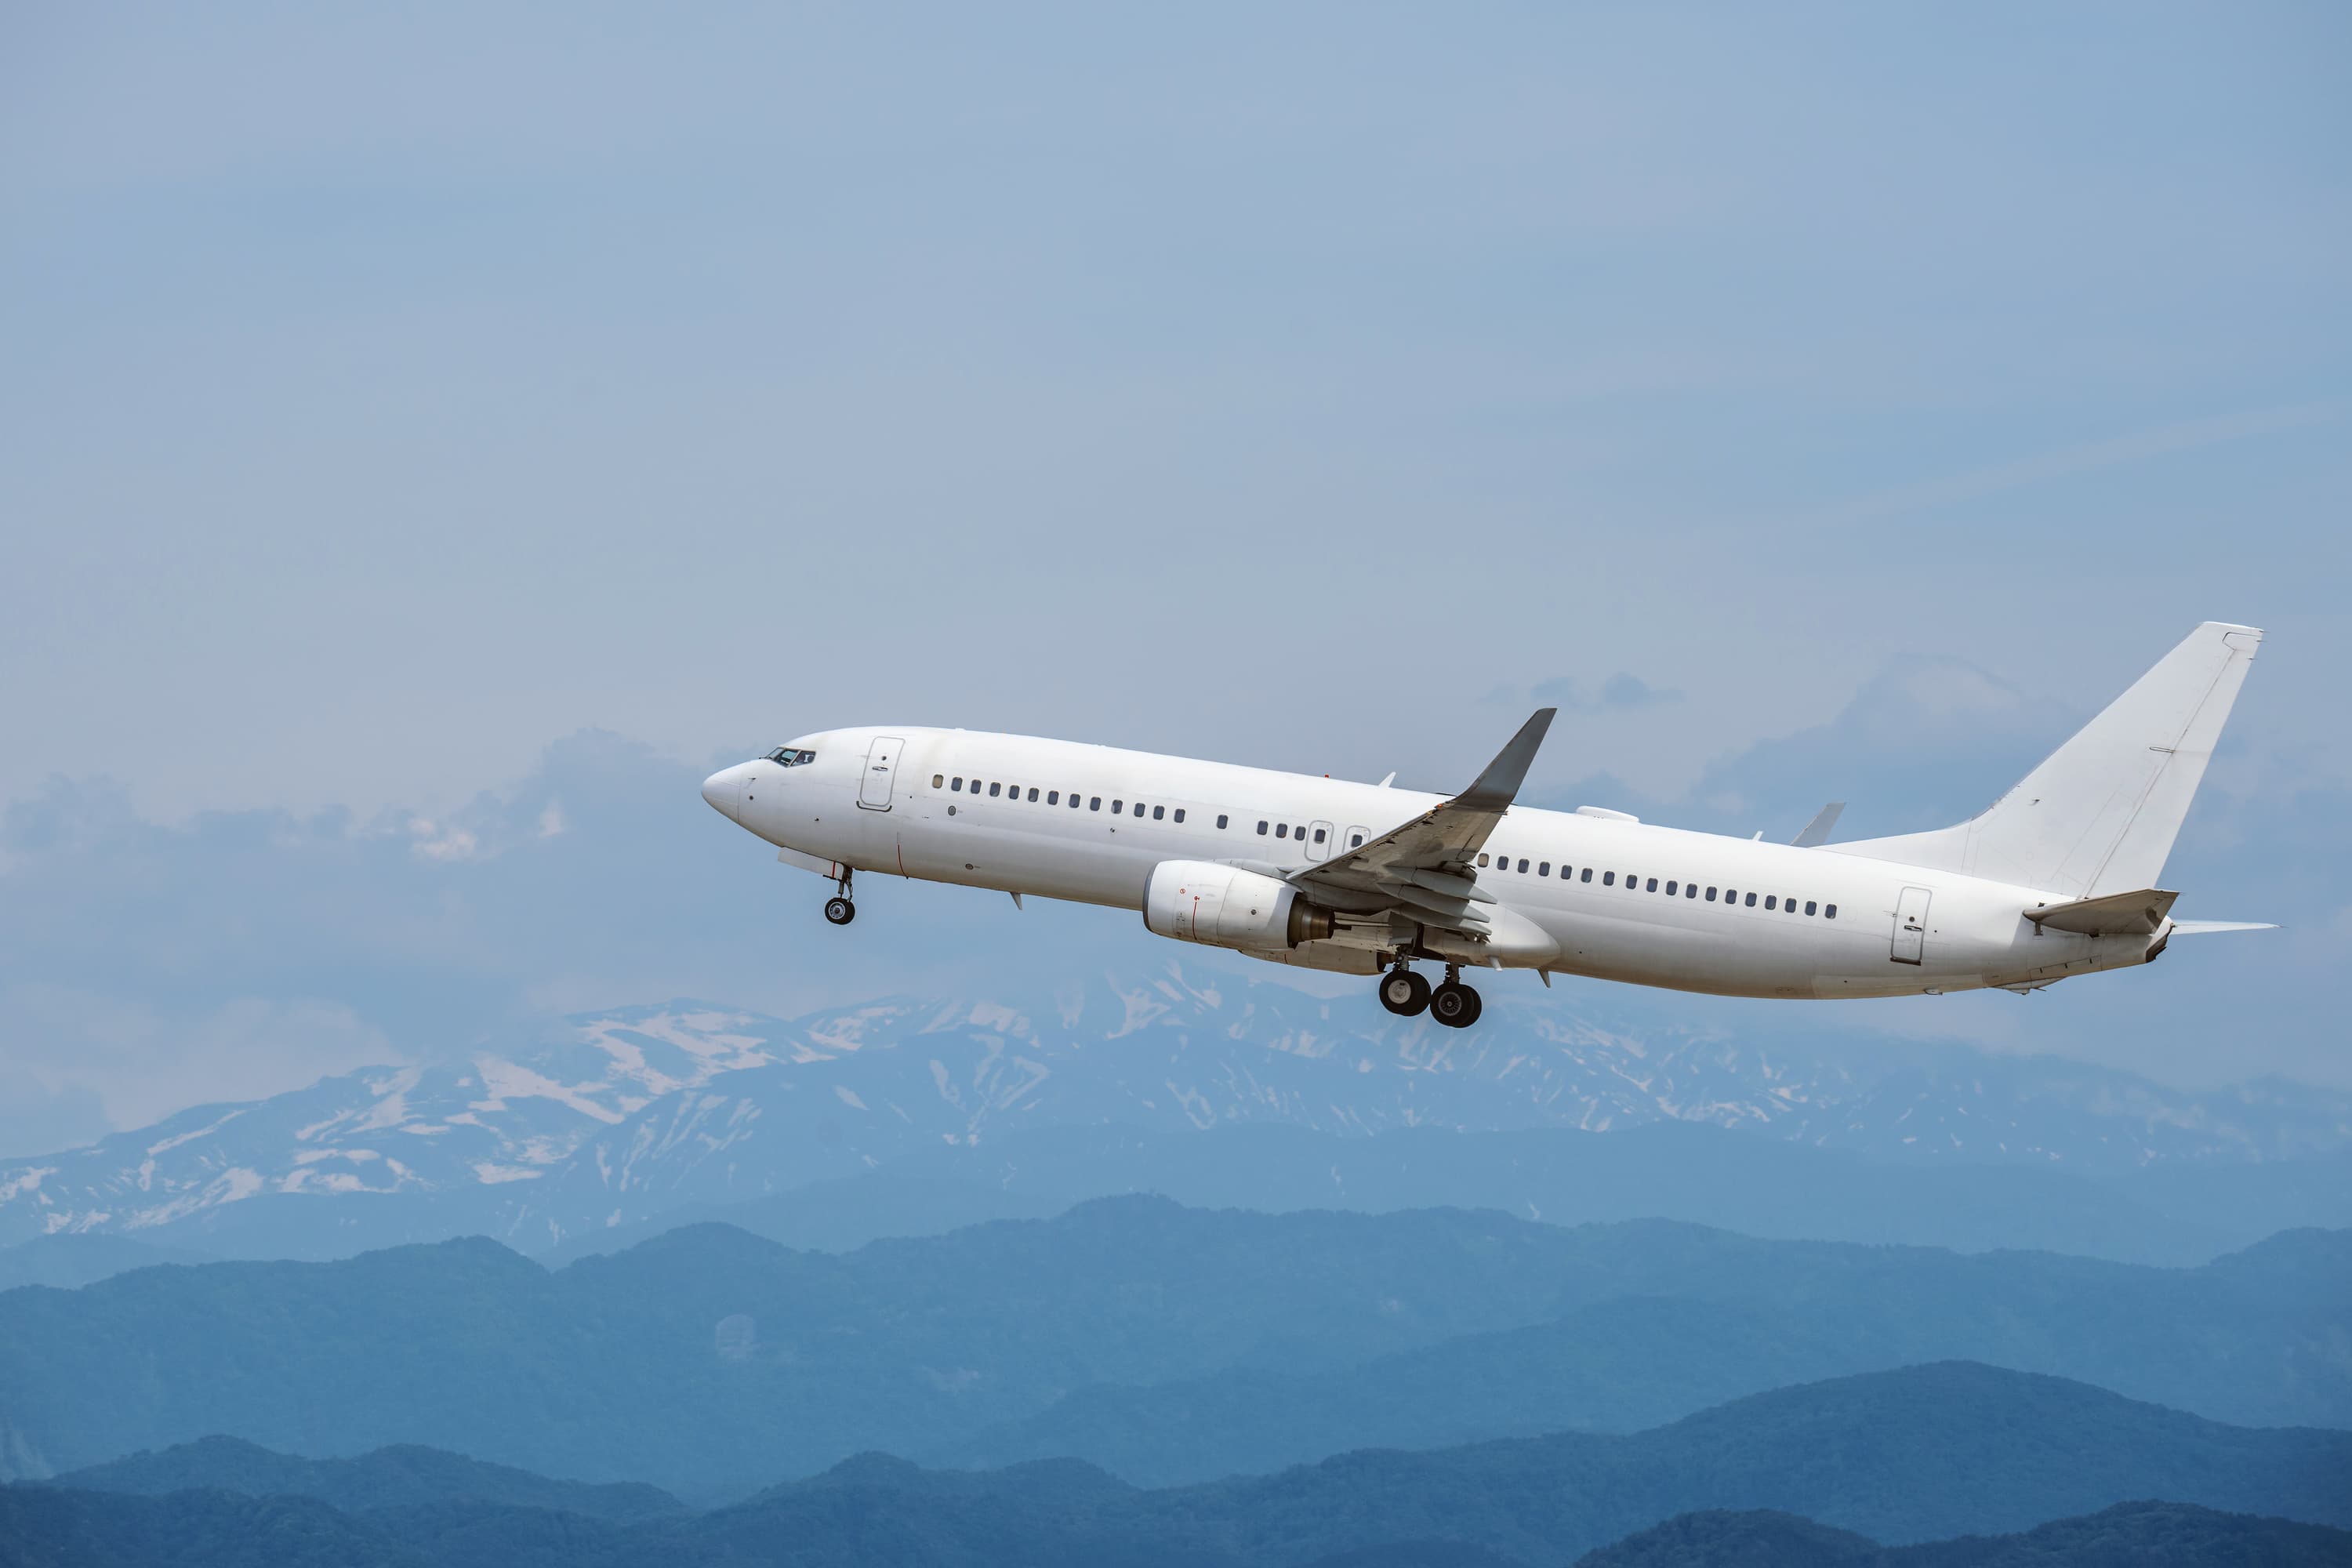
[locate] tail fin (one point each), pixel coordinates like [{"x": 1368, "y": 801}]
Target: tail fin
[{"x": 2100, "y": 815}]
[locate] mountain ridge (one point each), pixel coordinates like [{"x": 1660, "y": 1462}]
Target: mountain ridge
[{"x": 613, "y": 1118}]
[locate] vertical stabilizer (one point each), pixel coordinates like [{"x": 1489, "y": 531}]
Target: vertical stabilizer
[{"x": 2100, "y": 815}]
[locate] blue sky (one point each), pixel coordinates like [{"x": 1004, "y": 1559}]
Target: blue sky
[{"x": 434, "y": 415}]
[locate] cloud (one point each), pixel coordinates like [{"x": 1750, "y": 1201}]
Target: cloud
[{"x": 1619, "y": 693}]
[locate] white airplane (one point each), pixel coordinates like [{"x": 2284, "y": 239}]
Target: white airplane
[{"x": 2055, "y": 878}]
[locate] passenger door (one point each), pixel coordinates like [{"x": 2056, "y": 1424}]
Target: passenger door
[
  {"x": 881, "y": 767},
  {"x": 1911, "y": 926},
  {"x": 1318, "y": 839}
]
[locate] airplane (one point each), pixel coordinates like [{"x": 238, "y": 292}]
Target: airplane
[{"x": 2056, "y": 879}]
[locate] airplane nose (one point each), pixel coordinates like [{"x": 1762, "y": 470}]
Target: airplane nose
[{"x": 724, "y": 790}]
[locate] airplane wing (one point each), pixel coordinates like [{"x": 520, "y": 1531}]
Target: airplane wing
[{"x": 1424, "y": 868}]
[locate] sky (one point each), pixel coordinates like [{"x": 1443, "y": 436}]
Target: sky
[{"x": 431, "y": 437}]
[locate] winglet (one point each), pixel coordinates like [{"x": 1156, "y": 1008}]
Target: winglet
[
  {"x": 1817, "y": 831},
  {"x": 1499, "y": 785}
]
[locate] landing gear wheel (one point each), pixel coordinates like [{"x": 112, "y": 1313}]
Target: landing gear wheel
[
  {"x": 1455, "y": 1005},
  {"x": 1404, "y": 992},
  {"x": 840, "y": 912}
]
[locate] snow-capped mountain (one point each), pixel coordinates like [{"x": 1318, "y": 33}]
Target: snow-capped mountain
[{"x": 621, "y": 1115}]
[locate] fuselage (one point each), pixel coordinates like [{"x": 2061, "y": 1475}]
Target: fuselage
[{"x": 1618, "y": 900}]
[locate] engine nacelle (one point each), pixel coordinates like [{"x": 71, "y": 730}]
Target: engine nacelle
[{"x": 1224, "y": 906}]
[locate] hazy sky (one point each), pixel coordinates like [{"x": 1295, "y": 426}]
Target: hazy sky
[{"x": 389, "y": 395}]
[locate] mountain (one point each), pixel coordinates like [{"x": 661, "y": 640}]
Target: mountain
[
  {"x": 55, "y": 1528},
  {"x": 72, "y": 1258},
  {"x": 1910, "y": 1457},
  {"x": 1903, "y": 1456},
  {"x": 618, "y": 1117},
  {"x": 707, "y": 1358},
  {"x": 1702, "y": 1348},
  {"x": 1725, "y": 1538},
  {"x": 1680, "y": 1170},
  {"x": 2128, "y": 1535},
  {"x": 386, "y": 1478}
]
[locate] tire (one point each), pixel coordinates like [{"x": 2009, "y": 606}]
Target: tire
[
  {"x": 1453, "y": 1006},
  {"x": 1404, "y": 992},
  {"x": 840, "y": 912},
  {"x": 1477, "y": 1006}
]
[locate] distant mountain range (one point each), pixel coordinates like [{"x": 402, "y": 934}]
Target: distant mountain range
[
  {"x": 1830, "y": 1468},
  {"x": 625, "y": 1116},
  {"x": 1165, "y": 1343}
]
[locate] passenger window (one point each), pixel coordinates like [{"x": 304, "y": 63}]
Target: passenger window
[
  {"x": 939, "y": 781},
  {"x": 1768, "y": 900},
  {"x": 1543, "y": 868},
  {"x": 1094, "y": 803},
  {"x": 1690, "y": 890},
  {"x": 1523, "y": 862},
  {"x": 1282, "y": 830},
  {"x": 1653, "y": 885},
  {"x": 1074, "y": 800},
  {"x": 1711, "y": 895},
  {"x": 1260, "y": 827},
  {"x": 1053, "y": 797},
  {"x": 1482, "y": 859},
  {"x": 1355, "y": 841},
  {"x": 1790, "y": 905},
  {"x": 1032, "y": 792},
  {"x": 1179, "y": 814},
  {"x": 993, "y": 788},
  {"x": 1158, "y": 813},
  {"x": 1139, "y": 808},
  {"x": 1751, "y": 901},
  {"x": 1809, "y": 906},
  {"x": 1608, "y": 878},
  {"x": 1829, "y": 911},
  {"x": 959, "y": 783},
  {"x": 1117, "y": 806},
  {"x": 1585, "y": 875},
  {"x": 1220, "y": 819}
]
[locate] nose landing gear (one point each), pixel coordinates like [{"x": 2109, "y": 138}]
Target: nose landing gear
[
  {"x": 1407, "y": 996},
  {"x": 838, "y": 909}
]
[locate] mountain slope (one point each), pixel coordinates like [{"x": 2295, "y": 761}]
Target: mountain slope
[
  {"x": 616, "y": 1116},
  {"x": 2128, "y": 1535},
  {"x": 387, "y": 1477},
  {"x": 708, "y": 1357},
  {"x": 1904, "y": 1456}
]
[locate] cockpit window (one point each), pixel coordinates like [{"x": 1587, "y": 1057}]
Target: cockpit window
[{"x": 791, "y": 758}]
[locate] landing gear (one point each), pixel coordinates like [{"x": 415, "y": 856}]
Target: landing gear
[
  {"x": 1404, "y": 992},
  {"x": 838, "y": 909},
  {"x": 1455, "y": 1005}
]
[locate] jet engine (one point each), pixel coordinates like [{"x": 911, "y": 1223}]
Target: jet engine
[{"x": 1224, "y": 906}]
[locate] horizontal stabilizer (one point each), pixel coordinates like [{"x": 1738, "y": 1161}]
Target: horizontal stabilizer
[
  {"x": 2138, "y": 913},
  {"x": 2207, "y": 928}
]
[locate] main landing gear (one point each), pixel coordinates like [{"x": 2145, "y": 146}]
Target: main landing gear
[
  {"x": 838, "y": 909},
  {"x": 1407, "y": 995}
]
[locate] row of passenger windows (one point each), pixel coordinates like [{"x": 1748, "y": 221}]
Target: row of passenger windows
[
  {"x": 999, "y": 789},
  {"x": 1674, "y": 887}
]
